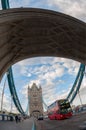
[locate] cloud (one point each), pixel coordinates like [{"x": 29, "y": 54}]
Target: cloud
[
  {"x": 42, "y": 64},
  {"x": 72, "y": 66},
  {"x": 75, "y": 8},
  {"x": 83, "y": 84},
  {"x": 0, "y": 5},
  {"x": 81, "y": 97},
  {"x": 19, "y": 3},
  {"x": 50, "y": 93},
  {"x": 46, "y": 69}
]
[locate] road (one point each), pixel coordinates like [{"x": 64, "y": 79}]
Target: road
[
  {"x": 67, "y": 124},
  {"x": 46, "y": 124},
  {"x": 12, "y": 125}
]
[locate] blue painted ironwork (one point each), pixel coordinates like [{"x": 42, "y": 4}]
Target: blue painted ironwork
[
  {"x": 76, "y": 86},
  {"x": 5, "y": 4},
  {"x": 13, "y": 91}
]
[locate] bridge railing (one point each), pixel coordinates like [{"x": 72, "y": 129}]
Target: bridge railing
[{"x": 5, "y": 117}]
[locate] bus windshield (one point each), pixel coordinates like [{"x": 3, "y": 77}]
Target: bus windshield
[{"x": 64, "y": 106}]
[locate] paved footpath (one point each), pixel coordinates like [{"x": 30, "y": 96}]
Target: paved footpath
[{"x": 12, "y": 125}]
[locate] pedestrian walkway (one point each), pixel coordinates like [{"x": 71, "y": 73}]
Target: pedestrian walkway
[{"x": 12, "y": 125}]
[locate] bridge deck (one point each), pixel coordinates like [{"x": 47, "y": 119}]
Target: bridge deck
[
  {"x": 74, "y": 123},
  {"x": 12, "y": 125}
]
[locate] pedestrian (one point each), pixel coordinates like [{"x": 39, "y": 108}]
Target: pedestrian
[
  {"x": 19, "y": 118},
  {"x": 22, "y": 119},
  {"x": 16, "y": 118}
]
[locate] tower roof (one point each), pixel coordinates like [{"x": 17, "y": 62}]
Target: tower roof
[{"x": 34, "y": 86}]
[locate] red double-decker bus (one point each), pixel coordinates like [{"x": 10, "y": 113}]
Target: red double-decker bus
[{"x": 60, "y": 109}]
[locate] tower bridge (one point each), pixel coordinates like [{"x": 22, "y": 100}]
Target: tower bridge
[
  {"x": 35, "y": 101},
  {"x": 50, "y": 33}
]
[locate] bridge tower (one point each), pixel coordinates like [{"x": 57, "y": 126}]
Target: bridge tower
[{"x": 35, "y": 100}]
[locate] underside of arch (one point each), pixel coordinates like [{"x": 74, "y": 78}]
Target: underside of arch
[{"x": 29, "y": 32}]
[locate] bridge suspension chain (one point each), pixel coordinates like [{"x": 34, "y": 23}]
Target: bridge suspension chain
[
  {"x": 76, "y": 86},
  {"x": 13, "y": 91}
]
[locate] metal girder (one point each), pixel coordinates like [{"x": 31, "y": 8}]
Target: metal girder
[
  {"x": 76, "y": 86},
  {"x": 13, "y": 91},
  {"x": 5, "y": 4}
]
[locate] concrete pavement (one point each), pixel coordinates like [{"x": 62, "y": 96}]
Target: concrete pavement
[{"x": 12, "y": 125}]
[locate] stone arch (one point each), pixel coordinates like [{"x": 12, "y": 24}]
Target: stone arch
[
  {"x": 36, "y": 113},
  {"x": 29, "y": 32}
]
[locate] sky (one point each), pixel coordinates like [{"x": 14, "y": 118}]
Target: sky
[{"x": 55, "y": 75}]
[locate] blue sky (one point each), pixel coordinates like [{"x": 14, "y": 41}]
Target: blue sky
[{"x": 56, "y": 75}]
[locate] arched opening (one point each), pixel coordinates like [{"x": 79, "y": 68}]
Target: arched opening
[
  {"x": 49, "y": 34},
  {"x": 35, "y": 113},
  {"x": 50, "y": 48}
]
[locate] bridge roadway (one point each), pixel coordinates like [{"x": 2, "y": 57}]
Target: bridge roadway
[
  {"x": 73, "y": 123},
  {"x": 12, "y": 125}
]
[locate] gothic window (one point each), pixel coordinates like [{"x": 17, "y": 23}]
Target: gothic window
[
  {"x": 35, "y": 103},
  {"x": 34, "y": 95}
]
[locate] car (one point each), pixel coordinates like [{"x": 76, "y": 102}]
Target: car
[
  {"x": 40, "y": 118},
  {"x": 45, "y": 116}
]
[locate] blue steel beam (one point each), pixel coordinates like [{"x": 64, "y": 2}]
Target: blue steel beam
[
  {"x": 13, "y": 91},
  {"x": 79, "y": 82},
  {"x": 76, "y": 86},
  {"x": 5, "y": 4}
]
